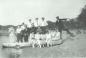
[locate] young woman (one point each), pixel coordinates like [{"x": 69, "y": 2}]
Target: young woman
[{"x": 12, "y": 35}]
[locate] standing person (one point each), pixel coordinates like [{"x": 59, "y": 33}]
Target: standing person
[
  {"x": 36, "y": 22},
  {"x": 19, "y": 34},
  {"x": 26, "y": 35},
  {"x": 33, "y": 29},
  {"x": 29, "y": 26},
  {"x": 44, "y": 22},
  {"x": 28, "y": 29},
  {"x": 12, "y": 35},
  {"x": 23, "y": 26},
  {"x": 61, "y": 26},
  {"x": 29, "y": 23},
  {"x": 24, "y": 32},
  {"x": 44, "y": 25},
  {"x": 36, "y": 25}
]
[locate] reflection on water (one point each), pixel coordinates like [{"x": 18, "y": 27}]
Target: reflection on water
[
  {"x": 15, "y": 53},
  {"x": 9, "y": 52}
]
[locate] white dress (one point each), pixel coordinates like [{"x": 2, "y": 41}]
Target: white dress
[
  {"x": 43, "y": 23},
  {"x": 12, "y": 36}
]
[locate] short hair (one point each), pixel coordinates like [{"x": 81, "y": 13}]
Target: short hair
[
  {"x": 57, "y": 17},
  {"x": 23, "y": 23},
  {"x": 36, "y": 18},
  {"x": 29, "y": 19},
  {"x": 43, "y": 18}
]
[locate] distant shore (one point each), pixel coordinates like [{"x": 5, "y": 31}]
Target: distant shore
[{"x": 4, "y": 33}]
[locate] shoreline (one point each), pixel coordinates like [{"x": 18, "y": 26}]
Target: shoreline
[{"x": 4, "y": 33}]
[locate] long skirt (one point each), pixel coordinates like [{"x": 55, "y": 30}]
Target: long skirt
[
  {"x": 12, "y": 38},
  {"x": 19, "y": 38}
]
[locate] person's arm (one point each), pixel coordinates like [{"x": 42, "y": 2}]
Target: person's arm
[
  {"x": 46, "y": 23},
  {"x": 16, "y": 31},
  {"x": 63, "y": 19}
]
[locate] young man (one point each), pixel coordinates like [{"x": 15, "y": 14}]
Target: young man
[
  {"x": 19, "y": 35},
  {"x": 24, "y": 32},
  {"x": 36, "y": 22},
  {"x": 29, "y": 27},
  {"x": 44, "y": 22},
  {"x": 43, "y": 25},
  {"x": 37, "y": 25},
  {"x": 29, "y": 23},
  {"x": 61, "y": 26}
]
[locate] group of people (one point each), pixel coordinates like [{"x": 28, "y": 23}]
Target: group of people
[{"x": 23, "y": 31}]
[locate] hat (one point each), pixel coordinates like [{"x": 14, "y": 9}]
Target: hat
[
  {"x": 29, "y": 19},
  {"x": 36, "y": 18},
  {"x": 57, "y": 17},
  {"x": 43, "y": 18}
]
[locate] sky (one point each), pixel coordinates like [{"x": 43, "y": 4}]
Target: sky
[{"x": 14, "y": 12}]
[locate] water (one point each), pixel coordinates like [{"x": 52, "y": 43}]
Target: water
[
  {"x": 9, "y": 52},
  {"x": 69, "y": 48},
  {"x": 27, "y": 52},
  {"x": 23, "y": 52}
]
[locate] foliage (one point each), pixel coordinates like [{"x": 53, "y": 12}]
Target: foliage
[{"x": 82, "y": 16}]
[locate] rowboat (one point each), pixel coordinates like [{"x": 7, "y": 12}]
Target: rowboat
[{"x": 15, "y": 45}]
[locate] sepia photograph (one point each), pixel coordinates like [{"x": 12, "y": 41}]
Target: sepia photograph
[{"x": 42, "y": 28}]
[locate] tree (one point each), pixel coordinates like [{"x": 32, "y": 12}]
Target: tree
[{"x": 82, "y": 16}]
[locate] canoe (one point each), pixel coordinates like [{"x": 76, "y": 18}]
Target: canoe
[{"x": 15, "y": 45}]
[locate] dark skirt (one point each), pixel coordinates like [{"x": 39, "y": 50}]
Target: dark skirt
[
  {"x": 43, "y": 29},
  {"x": 19, "y": 37},
  {"x": 33, "y": 30}
]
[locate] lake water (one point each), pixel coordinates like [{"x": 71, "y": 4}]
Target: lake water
[
  {"x": 16, "y": 53},
  {"x": 8, "y": 52},
  {"x": 76, "y": 47},
  {"x": 24, "y": 52}
]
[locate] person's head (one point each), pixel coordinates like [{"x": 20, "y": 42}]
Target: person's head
[
  {"x": 19, "y": 26},
  {"x": 57, "y": 17},
  {"x": 43, "y": 18},
  {"x": 36, "y": 19},
  {"x": 22, "y": 23},
  {"x": 29, "y": 20}
]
